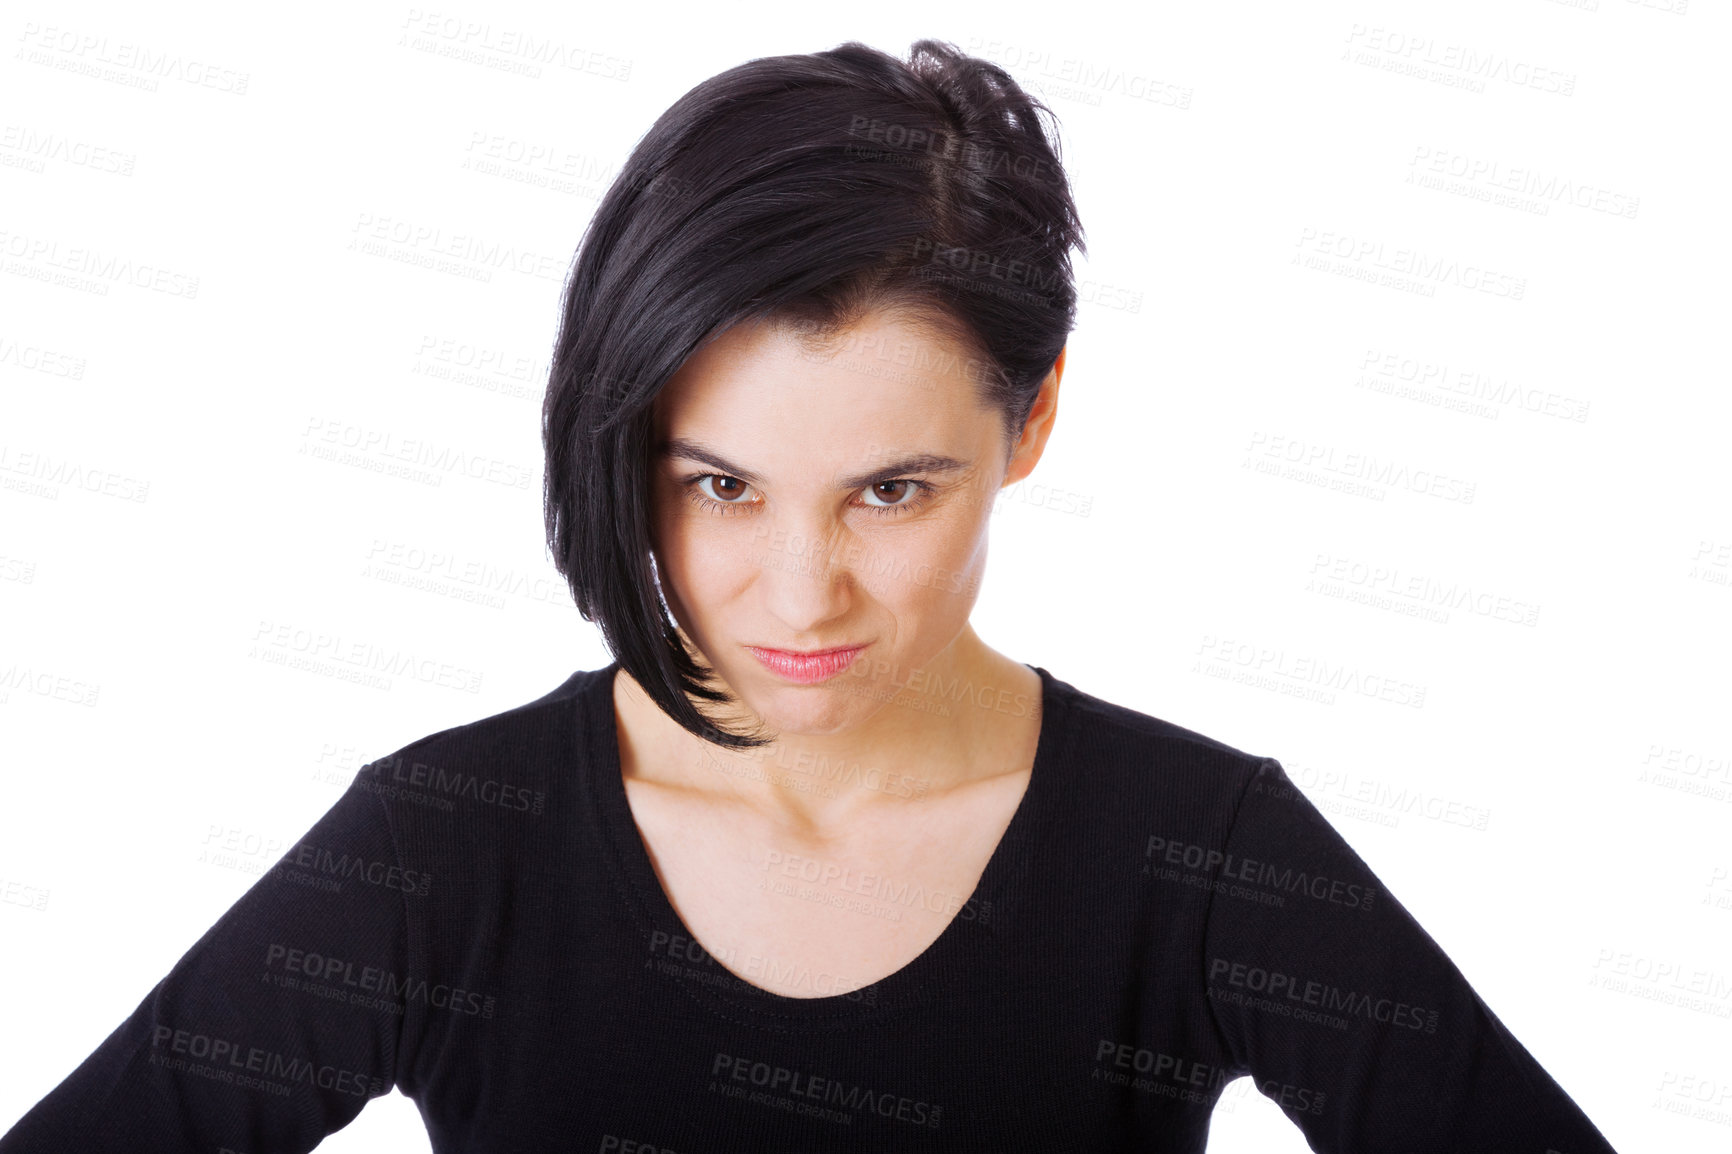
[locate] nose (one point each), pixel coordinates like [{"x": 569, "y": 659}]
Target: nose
[{"x": 806, "y": 579}]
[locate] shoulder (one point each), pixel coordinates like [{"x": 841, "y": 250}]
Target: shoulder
[
  {"x": 1133, "y": 754},
  {"x": 1115, "y": 728},
  {"x": 496, "y": 775},
  {"x": 500, "y": 732}
]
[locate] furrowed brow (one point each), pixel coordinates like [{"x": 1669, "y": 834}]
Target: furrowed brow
[{"x": 912, "y": 463}]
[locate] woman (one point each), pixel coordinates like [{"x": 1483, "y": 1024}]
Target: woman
[{"x": 809, "y": 866}]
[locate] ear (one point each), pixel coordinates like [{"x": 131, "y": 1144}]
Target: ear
[{"x": 1025, "y": 454}]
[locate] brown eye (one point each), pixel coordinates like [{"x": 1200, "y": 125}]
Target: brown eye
[
  {"x": 889, "y": 494},
  {"x": 725, "y": 489}
]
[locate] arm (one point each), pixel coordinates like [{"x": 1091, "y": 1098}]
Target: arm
[
  {"x": 1349, "y": 1015},
  {"x": 268, "y": 1033}
]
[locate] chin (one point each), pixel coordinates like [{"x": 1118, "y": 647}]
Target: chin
[{"x": 809, "y": 710}]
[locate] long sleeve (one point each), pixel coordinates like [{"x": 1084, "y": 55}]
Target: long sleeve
[
  {"x": 275, "y": 1028},
  {"x": 1349, "y": 1015}
]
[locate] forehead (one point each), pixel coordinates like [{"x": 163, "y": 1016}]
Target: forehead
[{"x": 885, "y": 377}]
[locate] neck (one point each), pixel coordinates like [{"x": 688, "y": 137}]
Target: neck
[{"x": 965, "y": 715}]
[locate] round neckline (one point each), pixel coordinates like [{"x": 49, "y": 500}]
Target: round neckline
[{"x": 947, "y": 960}]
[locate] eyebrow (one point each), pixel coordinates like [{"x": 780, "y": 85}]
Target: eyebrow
[{"x": 912, "y": 463}]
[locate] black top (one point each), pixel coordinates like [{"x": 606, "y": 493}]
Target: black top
[{"x": 477, "y": 923}]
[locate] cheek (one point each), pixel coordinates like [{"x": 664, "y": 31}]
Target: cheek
[
  {"x": 706, "y": 556},
  {"x": 933, "y": 574},
  {"x": 959, "y": 540},
  {"x": 671, "y": 538}
]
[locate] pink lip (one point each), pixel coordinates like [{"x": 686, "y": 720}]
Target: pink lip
[{"x": 807, "y": 668}]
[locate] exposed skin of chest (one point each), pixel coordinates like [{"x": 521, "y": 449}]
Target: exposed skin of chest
[{"x": 813, "y": 913}]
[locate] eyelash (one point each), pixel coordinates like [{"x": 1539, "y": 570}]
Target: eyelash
[{"x": 923, "y": 494}]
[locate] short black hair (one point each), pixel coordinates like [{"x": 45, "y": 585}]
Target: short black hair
[{"x": 803, "y": 191}]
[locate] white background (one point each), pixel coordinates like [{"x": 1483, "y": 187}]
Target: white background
[{"x": 144, "y": 710}]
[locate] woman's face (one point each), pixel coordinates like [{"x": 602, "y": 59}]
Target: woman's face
[{"x": 806, "y": 500}]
